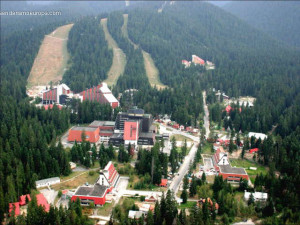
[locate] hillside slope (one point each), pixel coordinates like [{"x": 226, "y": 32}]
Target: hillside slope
[{"x": 279, "y": 19}]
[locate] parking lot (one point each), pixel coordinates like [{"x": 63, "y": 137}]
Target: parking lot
[{"x": 208, "y": 167}]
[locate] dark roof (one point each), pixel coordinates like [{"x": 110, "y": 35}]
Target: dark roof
[
  {"x": 85, "y": 128},
  {"x": 117, "y": 136},
  {"x": 146, "y": 135},
  {"x": 229, "y": 169},
  {"x": 98, "y": 123},
  {"x": 96, "y": 190},
  {"x": 136, "y": 111}
]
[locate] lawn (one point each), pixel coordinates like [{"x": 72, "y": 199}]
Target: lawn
[
  {"x": 106, "y": 209},
  {"x": 82, "y": 178},
  {"x": 180, "y": 137},
  {"x": 206, "y": 149},
  {"x": 186, "y": 205},
  {"x": 244, "y": 163}
]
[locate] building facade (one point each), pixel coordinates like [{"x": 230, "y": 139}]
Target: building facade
[{"x": 92, "y": 134}]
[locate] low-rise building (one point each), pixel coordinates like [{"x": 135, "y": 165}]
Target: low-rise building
[
  {"x": 47, "y": 182},
  {"x": 91, "y": 134},
  {"x": 106, "y": 129},
  {"x": 96, "y": 193},
  {"x": 258, "y": 196},
  {"x": 257, "y": 135},
  {"x": 135, "y": 214},
  {"x": 224, "y": 169}
]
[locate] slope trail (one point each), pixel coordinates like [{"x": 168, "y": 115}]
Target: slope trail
[
  {"x": 150, "y": 68},
  {"x": 119, "y": 58}
]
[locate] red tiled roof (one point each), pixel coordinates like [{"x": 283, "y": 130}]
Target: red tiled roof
[
  {"x": 164, "y": 182},
  {"x": 23, "y": 199},
  {"x": 41, "y": 200},
  {"x": 14, "y": 207},
  {"x": 253, "y": 150},
  {"x": 51, "y": 106}
]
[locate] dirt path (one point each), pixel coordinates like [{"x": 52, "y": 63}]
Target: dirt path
[
  {"x": 51, "y": 61},
  {"x": 119, "y": 59},
  {"x": 150, "y": 68}
]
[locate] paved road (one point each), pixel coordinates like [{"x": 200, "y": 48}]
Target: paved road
[
  {"x": 187, "y": 160},
  {"x": 206, "y": 115}
]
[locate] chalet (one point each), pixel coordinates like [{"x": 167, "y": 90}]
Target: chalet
[
  {"x": 96, "y": 193},
  {"x": 151, "y": 198},
  {"x": 186, "y": 63},
  {"x": 18, "y": 208},
  {"x": 163, "y": 183}
]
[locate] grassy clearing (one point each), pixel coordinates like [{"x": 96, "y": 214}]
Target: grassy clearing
[
  {"x": 180, "y": 137},
  {"x": 119, "y": 58},
  {"x": 206, "y": 149},
  {"x": 74, "y": 183},
  {"x": 106, "y": 209},
  {"x": 51, "y": 61},
  {"x": 246, "y": 164},
  {"x": 187, "y": 205}
]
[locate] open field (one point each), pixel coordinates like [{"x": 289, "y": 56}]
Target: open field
[
  {"x": 119, "y": 59},
  {"x": 106, "y": 209},
  {"x": 246, "y": 164},
  {"x": 150, "y": 68},
  {"x": 51, "y": 61},
  {"x": 81, "y": 178}
]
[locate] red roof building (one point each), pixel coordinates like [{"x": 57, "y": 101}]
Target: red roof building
[
  {"x": 14, "y": 207},
  {"x": 53, "y": 95},
  {"x": 91, "y": 134},
  {"x": 224, "y": 169},
  {"x": 42, "y": 201},
  {"x": 96, "y": 193},
  {"x": 23, "y": 199},
  {"x": 254, "y": 150},
  {"x": 131, "y": 132},
  {"x": 50, "y": 106},
  {"x": 197, "y": 60},
  {"x": 164, "y": 183},
  {"x": 100, "y": 93},
  {"x": 228, "y": 109}
]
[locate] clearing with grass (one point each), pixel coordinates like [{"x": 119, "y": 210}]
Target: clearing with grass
[
  {"x": 52, "y": 59},
  {"x": 119, "y": 59},
  {"x": 150, "y": 68}
]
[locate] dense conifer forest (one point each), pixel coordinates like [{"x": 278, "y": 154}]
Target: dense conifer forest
[{"x": 247, "y": 62}]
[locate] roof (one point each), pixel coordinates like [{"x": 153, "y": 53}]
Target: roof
[
  {"x": 85, "y": 128},
  {"x": 136, "y": 111},
  {"x": 46, "y": 107},
  {"x": 233, "y": 170},
  {"x": 23, "y": 199},
  {"x": 110, "y": 98},
  {"x": 257, "y": 135},
  {"x": 47, "y": 180},
  {"x": 146, "y": 135},
  {"x": 135, "y": 214},
  {"x": 256, "y": 195},
  {"x": 253, "y": 150},
  {"x": 164, "y": 182},
  {"x": 117, "y": 136},
  {"x": 228, "y": 108},
  {"x": 97, "y": 190},
  {"x": 42, "y": 201},
  {"x": 104, "y": 89},
  {"x": 14, "y": 206},
  {"x": 97, "y": 123}
]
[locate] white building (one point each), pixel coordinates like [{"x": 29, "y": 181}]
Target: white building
[
  {"x": 135, "y": 214},
  {"x": 47, "y": 182},
  {"x": 257, "y": 135},
  {"x": 258, "y": 196}
]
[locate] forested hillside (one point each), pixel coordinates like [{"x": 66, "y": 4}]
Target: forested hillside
[
  {"x": 279, "y": 19},
  {"x": 90, "y": 56}
]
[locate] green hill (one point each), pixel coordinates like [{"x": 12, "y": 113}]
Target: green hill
[{"x": 279, "y": 19}]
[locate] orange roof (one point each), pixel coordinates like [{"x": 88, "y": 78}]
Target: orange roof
[
  {"x": 41, "y": 200},
  {"x": 14, "y": 207},
  {"x": 210, "y": 202},
  {"x": 164, "y": 182},
  {"x": 23, "y": 199},
  {"x": 51, "y": 106}
]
